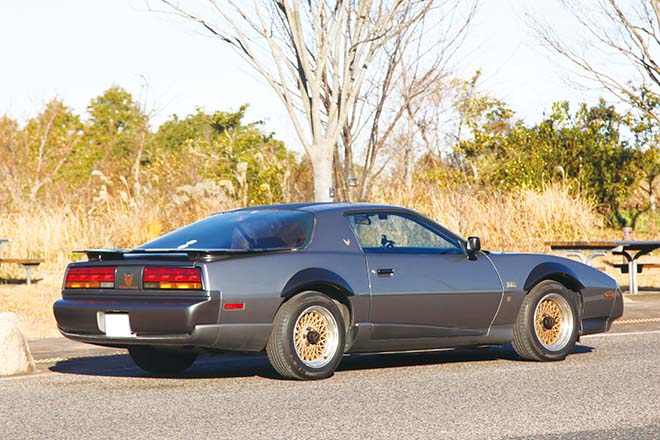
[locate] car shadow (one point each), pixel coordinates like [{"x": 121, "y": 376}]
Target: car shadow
[
  {"x": 458, "y": 355},
  {"x": 212, "y": 367},
  {"x": 257, "y": 365}
]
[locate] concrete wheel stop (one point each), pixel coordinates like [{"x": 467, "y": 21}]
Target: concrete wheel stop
[{"x": 15, "y": 357}]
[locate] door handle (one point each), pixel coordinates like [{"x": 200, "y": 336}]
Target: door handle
[{"x": 385, "y": 272}]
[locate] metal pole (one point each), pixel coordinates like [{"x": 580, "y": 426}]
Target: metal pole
[
  {"x": 632, "y": 264},
  {"x": 28, "y": 269}
]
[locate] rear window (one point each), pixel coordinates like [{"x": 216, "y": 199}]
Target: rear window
[{"x": 244, "y": 229}]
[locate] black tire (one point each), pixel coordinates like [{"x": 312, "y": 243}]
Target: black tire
[
  {"x": 308, "y": 337},
  {"x": 546, "y": 327},
  {"x": 161, "y": 362}
]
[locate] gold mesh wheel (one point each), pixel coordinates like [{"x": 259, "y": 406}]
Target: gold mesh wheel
[
  {"x": 553, "y": 321},
  {"x": 316, "y": 336}
]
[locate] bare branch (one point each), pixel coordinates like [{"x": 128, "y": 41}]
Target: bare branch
[{"x": 627, "y": 33}]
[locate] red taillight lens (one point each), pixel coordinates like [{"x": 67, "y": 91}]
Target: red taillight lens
[
  {"x": 172, "y": 278},
  {"x": 90, "y": 278}
]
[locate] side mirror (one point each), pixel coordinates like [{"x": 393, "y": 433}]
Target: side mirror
[{"x": 473, "y": 247}]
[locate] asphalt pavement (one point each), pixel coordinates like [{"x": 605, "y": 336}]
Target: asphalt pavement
[{"x": 609, "y": 388}]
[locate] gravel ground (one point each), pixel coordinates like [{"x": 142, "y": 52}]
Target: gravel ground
[{"x": 609, "y": 388}]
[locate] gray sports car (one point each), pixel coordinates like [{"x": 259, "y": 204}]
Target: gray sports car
[{"x": 309, "y": 282}]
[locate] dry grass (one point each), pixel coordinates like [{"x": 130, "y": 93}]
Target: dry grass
[
  {"x": 33, "y": 305},
  {"x": 53, "y": 233},
  {"x": 520, "y": 221}
]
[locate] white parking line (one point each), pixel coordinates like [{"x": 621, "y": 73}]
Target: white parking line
[
  {"x": 607, "y": 335},
  {"x": 636, "y": 321}
]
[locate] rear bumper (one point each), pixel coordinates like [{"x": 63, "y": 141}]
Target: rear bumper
[
  {"x": 202, "y": 336},
  {"x": 218, "y": 337},
  {"x": 604, "y": 324},
  {"x": 148, "y": 315},
  {"x": 168, "y": 322},
  {"x": 617, "y": 307}
]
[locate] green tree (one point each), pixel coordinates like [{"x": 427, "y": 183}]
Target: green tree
[
  {"x": 9, "y": 151},
  {"x": 115, "y": 136},
  {"x": 48, "y": 143},
  {"x": 646, "y": 139},
  {"x": 253, "y": 166},
  {"x": 484, "y": 123},
  {"x": 583, "y": 148},
  {"x": 9, "y": 141}
]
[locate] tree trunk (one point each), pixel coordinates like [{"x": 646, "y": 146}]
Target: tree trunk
[
  {"x": 409, "y": 169},
  {"x": 652, "y": 202},
  {"x": 341, "y": 187},
  {"x": 409, "y": 155},
  {"x": 322, "y": 169}
]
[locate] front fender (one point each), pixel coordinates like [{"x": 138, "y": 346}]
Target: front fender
[{"x": 553, "y": 271}]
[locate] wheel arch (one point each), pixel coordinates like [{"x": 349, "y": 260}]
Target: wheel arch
[
  {"x": 562, "y": 274},
  {"x": 556, "y": 272},
  {"x": 323, "y": 281}
]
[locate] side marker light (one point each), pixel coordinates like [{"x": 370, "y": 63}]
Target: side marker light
[{"x": 234, "y": 306}]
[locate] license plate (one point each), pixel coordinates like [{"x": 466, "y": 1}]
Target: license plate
[{"x": 117, "y": 325}]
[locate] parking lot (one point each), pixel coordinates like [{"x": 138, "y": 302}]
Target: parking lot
[{"x": 608, "y": 388}]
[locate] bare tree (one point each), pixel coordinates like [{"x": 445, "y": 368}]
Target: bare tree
[
  {"x": 411, "y": 67},
  {"x": 314, "y": 55},
  {"x": 616, "y": 34}
]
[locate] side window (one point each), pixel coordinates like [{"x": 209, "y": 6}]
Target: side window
[{"x": 385, "y": 232}]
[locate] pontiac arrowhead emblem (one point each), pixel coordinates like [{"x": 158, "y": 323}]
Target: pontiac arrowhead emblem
[
  {"x": 347, "y": 242},
  {"x": 128, "y": 279}
]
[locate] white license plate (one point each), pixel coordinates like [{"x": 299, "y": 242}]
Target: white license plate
[{"x": 117, "y": 325}]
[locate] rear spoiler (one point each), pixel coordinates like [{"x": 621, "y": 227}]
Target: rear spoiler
[{"x": 189, "y": 254}]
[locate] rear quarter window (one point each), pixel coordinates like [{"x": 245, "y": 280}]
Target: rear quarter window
[{"x": 245, "y": 229}]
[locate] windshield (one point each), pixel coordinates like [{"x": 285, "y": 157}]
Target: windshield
[{"x": 244, "y": 229}]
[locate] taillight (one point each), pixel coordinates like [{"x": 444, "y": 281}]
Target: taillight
[
  {"x": 90, "y": 278},
  {"x": 172, "y": 278}
]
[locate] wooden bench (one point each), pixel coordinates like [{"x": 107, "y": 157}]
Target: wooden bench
[{"x": 25, "y": 263}]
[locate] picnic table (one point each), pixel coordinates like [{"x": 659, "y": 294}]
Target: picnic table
[
  {"x": 26, "y": 263},
  {"x": 631, "y": 250}
]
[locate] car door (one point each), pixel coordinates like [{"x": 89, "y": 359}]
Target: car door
[{"x": 422, "y": 283}]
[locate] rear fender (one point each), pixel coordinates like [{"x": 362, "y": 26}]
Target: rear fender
[
  {"x": 308, "y": 278},
  {"x": 327, "y": 283}
]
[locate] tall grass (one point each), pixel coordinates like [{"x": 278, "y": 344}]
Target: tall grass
[
  {"x": 54, "y": 232},
  {"x": 517, "y": 221}
]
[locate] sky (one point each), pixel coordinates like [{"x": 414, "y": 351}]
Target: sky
[{"x": 76, "y": 49}]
